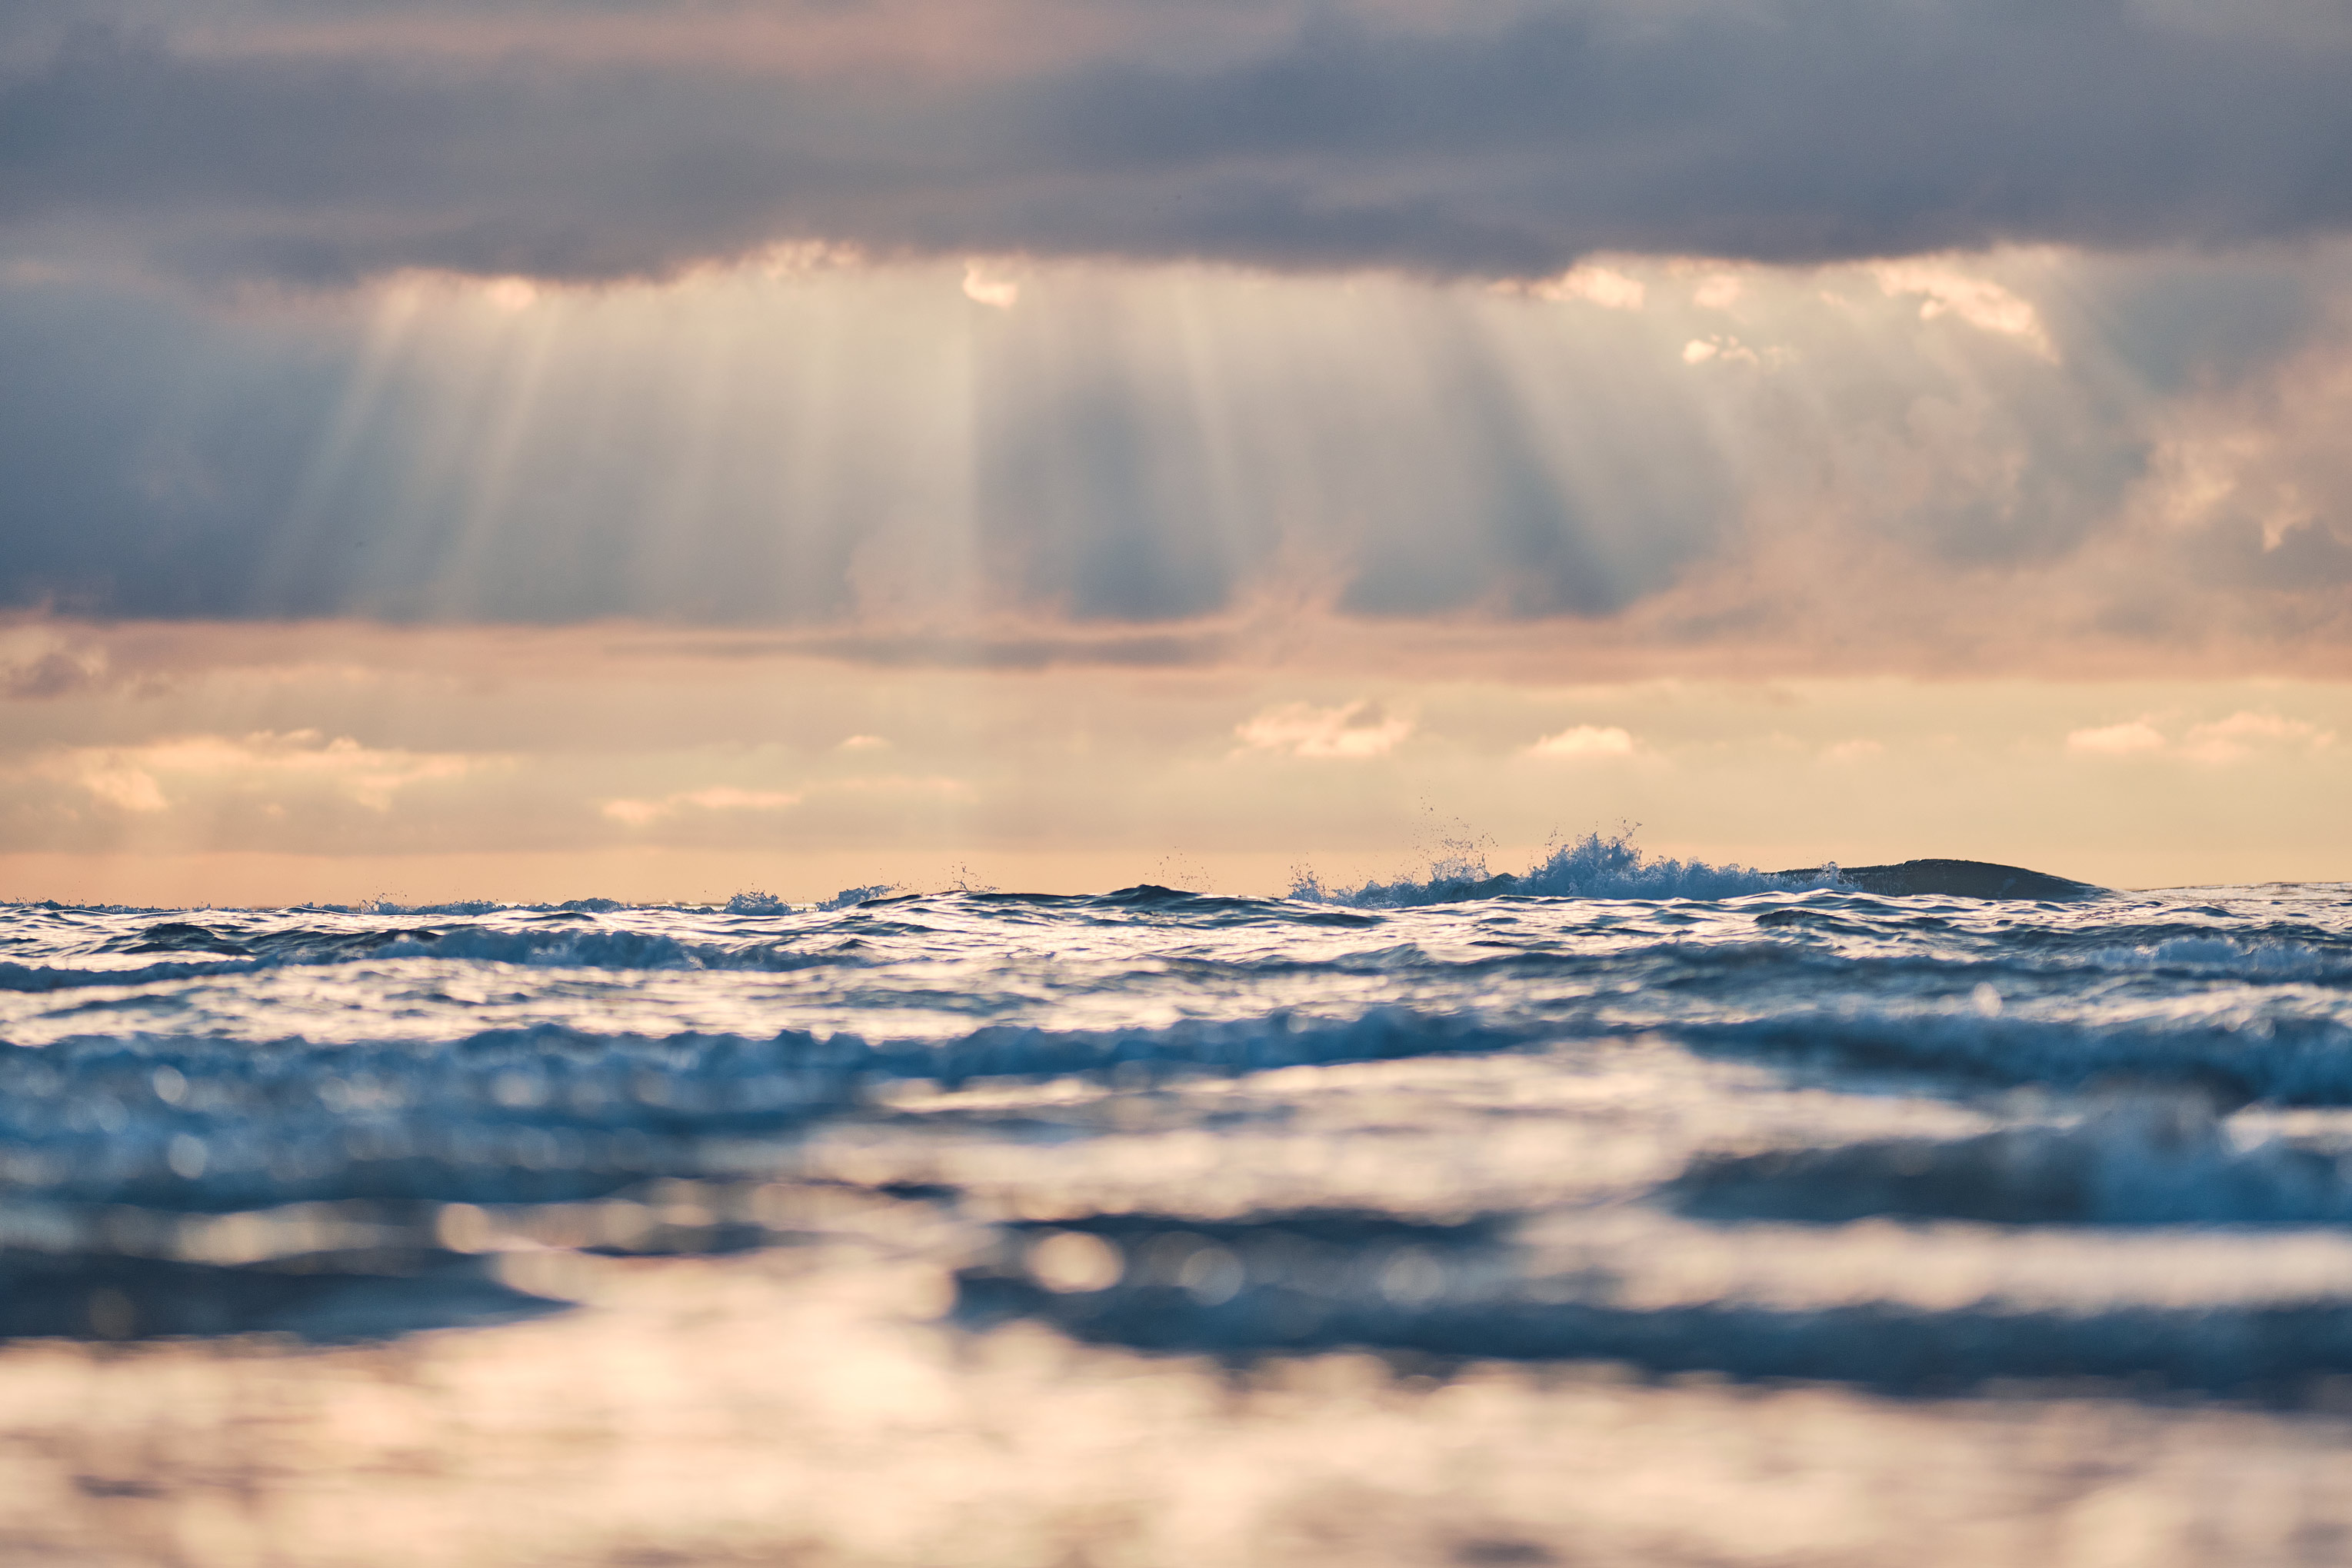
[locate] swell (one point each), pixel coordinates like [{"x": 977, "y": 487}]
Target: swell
[
  {"x": 2143, "y": 1155},
  {"x": 2272, "y": 1351},
  {"x": 547, "y": 1111},
  {"x": 2283, "y": 1059}
]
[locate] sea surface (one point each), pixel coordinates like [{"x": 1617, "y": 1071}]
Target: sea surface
[{"x": 1787, "y": 1223}]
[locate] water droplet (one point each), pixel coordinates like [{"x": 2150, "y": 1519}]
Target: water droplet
[{"x": 1070, "y": 1262}]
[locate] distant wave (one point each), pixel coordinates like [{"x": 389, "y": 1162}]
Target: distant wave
[{"x": 1597, "y": 865}]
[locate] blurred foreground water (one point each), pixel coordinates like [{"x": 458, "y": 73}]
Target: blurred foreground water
[{"x": 1791, "y": 1226}]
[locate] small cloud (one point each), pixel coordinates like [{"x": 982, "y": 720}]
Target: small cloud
[
  {"x": 1585, "y": 740},
  {"x": 2116, "y": 739},
  {"x": 864, "y": 743},
  {"x": 1851, "y": 751},
  {"x": 2242, "y": 734},
  {"x": 718, "y": 798},
  {"x": 1980, "y": 301},
  {"x": 1602, "y": 286},
  {"x": 513, "y": 294},
  {"x": 981, "y": 288},
  {"x": 1357, "y": 730}
]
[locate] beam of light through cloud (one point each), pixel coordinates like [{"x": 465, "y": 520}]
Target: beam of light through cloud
[
  {"x": 1137, "y": 465},
  {"x": 1283, "y": 363}
]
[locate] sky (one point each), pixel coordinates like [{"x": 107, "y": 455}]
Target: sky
[{"x": 664, "y": 448}]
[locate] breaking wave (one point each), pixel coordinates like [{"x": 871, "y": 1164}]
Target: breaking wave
[{"x": 1594, "y": 866}]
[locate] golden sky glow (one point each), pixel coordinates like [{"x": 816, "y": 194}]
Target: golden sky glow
[
  {"x": 502, "y": 450},
  {"x": 341, "y": 763}
]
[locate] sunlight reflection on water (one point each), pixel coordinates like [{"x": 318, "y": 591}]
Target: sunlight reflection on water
[{"x": 1153, "y": 1229}]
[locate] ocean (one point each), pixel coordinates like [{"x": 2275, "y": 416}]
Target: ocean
[{"x": 1635, "y": 1213}]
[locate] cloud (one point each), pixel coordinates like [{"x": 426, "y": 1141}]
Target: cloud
[
  {"x": 1354, "y": 731},
  {"x": 321, "y": 142},
  {"x": 1730, "y": 351},
  {"x": 2242, "y": 735},
  {"x": 1585, "y": 740},
  {"x": 716, "y": 798},
  {"x": 44, "y": 672},
  {"x": 1165, "y": 467},
  {"x": 981, "y": 288},
  {"x": 134, "y": 778},
  {"x": 1979, "y": 301},
  {"x": 2125, "y": 740},
  {"x": 1602, "y": 286}
]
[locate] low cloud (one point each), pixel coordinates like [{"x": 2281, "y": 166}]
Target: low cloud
[
  {"x": 2242, "y": 735},
  {"x": 1184, "y": 467},
  {"x": 1586, "y": 740},
  {"x": 1595, "y": 285},
  {"x": 1979, "y": 301},
  {"x": 983, "y": 287},
  {"x": 1353, "y": 732},
  {"x": 2126, "y": 739},
  {"x": 2219, "y": 742},
  {"x": 143, "y": 779},
  {"x": 718, "y": 797}
]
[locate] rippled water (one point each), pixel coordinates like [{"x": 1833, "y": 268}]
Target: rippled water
[{"x": 1160, "y": 1227}]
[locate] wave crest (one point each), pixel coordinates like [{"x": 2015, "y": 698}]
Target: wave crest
[{"x": 1597, "y": 865}]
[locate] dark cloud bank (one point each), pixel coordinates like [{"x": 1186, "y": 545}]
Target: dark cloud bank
[
  {"x": 1789, "y": 129},
  {"x": 178, "y": 452}
]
